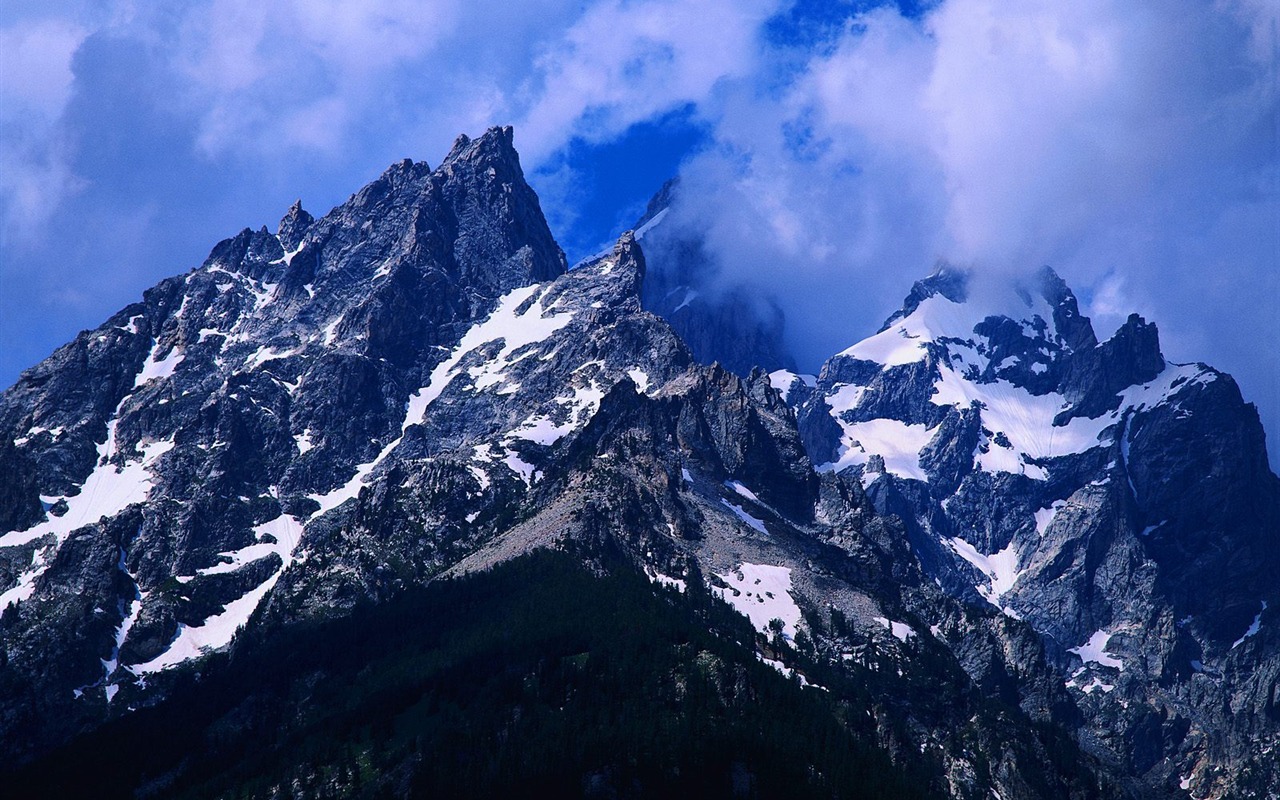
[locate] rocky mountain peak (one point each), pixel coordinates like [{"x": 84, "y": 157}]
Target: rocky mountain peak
[
  {"x": 1084, "y": 488},
  {"x": 946, "y": 280},
  {"x": 1096, "y": 376},
  {"x": 1076, "y": 330},
  {"x": 293, "y": 226},
  {"x": 630, "y": 257},
  {"x": 661, "y": 201},
  {"x": 494, "y": 147}
]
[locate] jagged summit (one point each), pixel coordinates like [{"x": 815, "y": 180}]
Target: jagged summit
[
  {"x": 1027, "y": 333},
  {"x": 946, "y": 280},
  {"x": 200, "y": 420},
  {"x": 659, "y": 203},
  {"x": 293, "y": 226},
  {"x": 497, "y": 144}
]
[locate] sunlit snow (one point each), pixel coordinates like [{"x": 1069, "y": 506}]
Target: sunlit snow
[
  {"x": 785, "y": 380},
  {"x": 741, "y": 514},
  {"x": 1094, "y": 651},
  {"x": 1000, "y": 568},
  {"x": 542, "y": 430},
  {"x": 516, "y": 330},
  {"x": 155, "y": 368},
  {"x": 763, "y": 593},
  {"x": 106, "y": 492},
  {"x": 1044, "y": 516},
  {"x": 1021, "y": 424},
  {"x": 218, "y": 630},
  {"x": 640, "y": 378},
  {"x": 520, "y": 467},
  {"x": 900, "y": 630},
  {"x": 303, "y": 441},
  {"x": 898, "y": 443}
]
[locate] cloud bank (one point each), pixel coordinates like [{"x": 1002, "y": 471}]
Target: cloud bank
[
  {"x": 844, "y": 148},
  {"x": 1130, "y": 145}
]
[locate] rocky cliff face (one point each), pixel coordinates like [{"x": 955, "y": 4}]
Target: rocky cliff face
[
  {"x": 1119, "y": 504},
  {"x": 997, "y": 528}
]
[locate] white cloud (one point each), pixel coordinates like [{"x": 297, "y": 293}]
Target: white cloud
[
  {"x": 35, "y": 83},
  {"x": 624, "y": 62},
  {"x": 1105, "y": 138},
  {"x": 299, "y": 74},
  {"x": 35, "y": 65}
]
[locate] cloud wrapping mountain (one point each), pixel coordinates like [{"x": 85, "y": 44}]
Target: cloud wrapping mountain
[{"x": 1132, "y": 146}]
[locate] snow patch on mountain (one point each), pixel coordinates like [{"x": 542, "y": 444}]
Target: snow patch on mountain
[
  {"x": 1000, "y": 568},
  {"x": 515, "y": 322},
  {"x": 214, "y": 633},
  {"x": 740, "y": 513},
  {"x": 1094, "y": 651},
  {"x": 155, "y": 367},
  {"x": 742, "y": 490},
  {"x": 938, "y": 318},
  {"x": 666, "y": 580},
  {"x": 1019, "y": 428},
  {"x": 784, "y": 382},
  {"x": 304, "y": 442},
  {"x": 898, "y": 443},
  {"x": 640, "y": 378},
  {"x": 1044, "y": 517},
  {"x": 1253, "y": 629},
  {"x": 280, "y": 535},
  {"x": 107, "y": 491},
  {"x": 526, "y": 471},
  {"x": 541, "y": 430},
  {"x": 517, "y": 325},
  {"x": 1026, "y": 420},
  {"x": 900, "y": 630},
  {"x": 761, "y": 593}
]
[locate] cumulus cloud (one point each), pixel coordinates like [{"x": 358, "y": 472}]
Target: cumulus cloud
[
  {"x": 35, "y": 82},
  {"x": 299, "y": 74},
  {"x": 625, "y": 62}
]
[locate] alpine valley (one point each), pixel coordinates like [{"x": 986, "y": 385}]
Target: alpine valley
[{"x": 393, "y": 503}]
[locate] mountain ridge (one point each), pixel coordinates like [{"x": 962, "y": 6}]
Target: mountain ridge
[{"x": 414, "y": 388}]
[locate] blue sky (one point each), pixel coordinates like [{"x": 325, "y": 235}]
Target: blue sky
[{"x": 832, "y": 152}]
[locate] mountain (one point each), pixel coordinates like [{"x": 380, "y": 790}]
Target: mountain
[
  {"x": 391, "y": 503},
  {"x": 1120, "y": 504},
  {"x": 721, "y": 322}
]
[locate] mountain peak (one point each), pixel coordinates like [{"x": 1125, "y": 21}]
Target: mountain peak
[
  {"x": 946, "y": 280},
  {"x": 686, "y": 285},
  {"x": 498, "y": 143},
  {"x": 293, "y": 226}
]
